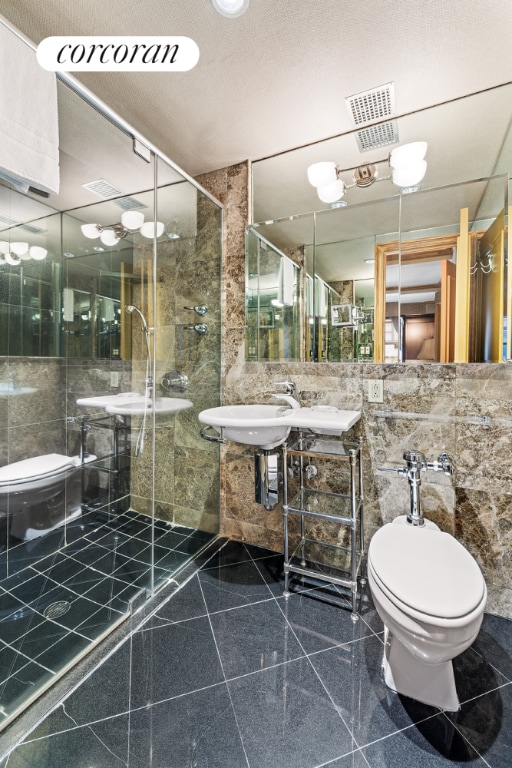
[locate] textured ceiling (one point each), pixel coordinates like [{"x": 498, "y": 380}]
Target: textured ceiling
[{"x": 277, "y": 77}]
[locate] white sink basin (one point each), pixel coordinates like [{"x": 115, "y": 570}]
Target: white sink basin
[
  {"x": 137, "y": 406},
  {"x": 261, "y": 425},
  {"x": 269, "y": 425}
]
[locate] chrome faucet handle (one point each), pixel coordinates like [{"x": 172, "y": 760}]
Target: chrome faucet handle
[
  {"x": 199, "y": 309},
  {"x": 174, "y": 381},
  {"x": 199, "y": 328}
]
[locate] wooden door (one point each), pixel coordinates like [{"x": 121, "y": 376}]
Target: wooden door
[
  {"x": 447, "y": 312},
  {"x": 492, "y": 267}
]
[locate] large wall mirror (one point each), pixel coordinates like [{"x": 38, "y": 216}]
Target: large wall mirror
[
  {"x": 62, "y": 293},
  {"x": 388, "y": 274}
]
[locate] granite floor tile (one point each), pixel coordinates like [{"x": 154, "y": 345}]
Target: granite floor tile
[
  {"x": 352, "y": 676},
  {"x": 486, "y": 723},
  {"x": 198, "y": 729},
  {"x": 304, "y": 686},
  {"x": 104, "y": 744},
  {"x": 319, "y": 624},
  {"x": 172, "y": 660},
  {"x": 253, "y": 637},
  {"x": 232, "y": 586},
  {"x": 433, "y": 743},
  {"x": 286, "y": 719}
]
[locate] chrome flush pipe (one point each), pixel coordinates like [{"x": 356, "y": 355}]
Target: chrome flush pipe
[{"x": 415, "y": 464}]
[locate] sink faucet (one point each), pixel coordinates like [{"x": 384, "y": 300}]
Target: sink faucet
[
  {"x": 415, "y": 464},
  {"x": 291, "y": 394}
]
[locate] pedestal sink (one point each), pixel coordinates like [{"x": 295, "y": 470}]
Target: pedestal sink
[{"x": 267, "y": 426}]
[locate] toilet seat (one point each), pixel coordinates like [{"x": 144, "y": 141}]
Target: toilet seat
[
  {"x": 426, "y": 573},
  {"x": 35, "y": 469}
]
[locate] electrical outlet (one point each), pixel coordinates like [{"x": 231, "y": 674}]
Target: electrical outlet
[
  {"x": 114, "y": 378},
  {"x": 375, "y": 391}
]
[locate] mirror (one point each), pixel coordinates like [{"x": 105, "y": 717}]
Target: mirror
[
  {"x": 67, "y": 302},
  {"x": 468, "y": 160}
]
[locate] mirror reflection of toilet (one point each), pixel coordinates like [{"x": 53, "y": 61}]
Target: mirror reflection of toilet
[
  {"x": 40, "y": 494},
  {"x": 431, "y": 595}
]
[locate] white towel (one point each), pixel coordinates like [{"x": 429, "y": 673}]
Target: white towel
[
  {"x": 286, "y": 281},
  {"x": 321, "y": 298},
  {"x": 309, "y": 296},
  {"x": 29, "y": 132}
]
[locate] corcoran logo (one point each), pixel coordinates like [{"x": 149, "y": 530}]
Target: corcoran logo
[{"x": 117, "y": 54}]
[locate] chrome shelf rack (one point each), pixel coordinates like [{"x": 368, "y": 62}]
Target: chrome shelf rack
[{"x": 335, "y": 563}]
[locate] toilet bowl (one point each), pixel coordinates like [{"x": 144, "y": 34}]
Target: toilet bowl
[
  {"x": 40, "y": 494},
  {"x": 431, "y": 595}
]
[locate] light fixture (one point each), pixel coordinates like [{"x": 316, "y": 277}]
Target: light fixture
[
  {"x": 16, "y": 252},
  {"x": 131, "y": 222},
  {"x": 20, "y": 249},
  {"x": 10, "y": 259},
  {"x": 408, "y": 167},
  {"x": 230, "y": 8},
  {"x": 407, "y": 163},
  {"x": 37, "y": 252}
]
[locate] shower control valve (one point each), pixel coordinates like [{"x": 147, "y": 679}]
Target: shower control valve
[
  {"x": 201, "y": 328},
  {"x": 199, "y": 309}
]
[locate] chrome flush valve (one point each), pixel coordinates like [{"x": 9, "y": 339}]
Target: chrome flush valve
[{"x": 415, "y": 464}]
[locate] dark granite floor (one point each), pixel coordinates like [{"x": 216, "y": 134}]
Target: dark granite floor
[
  {"x": 62, "y": 592},
  {"x": 228, "y": 674}
]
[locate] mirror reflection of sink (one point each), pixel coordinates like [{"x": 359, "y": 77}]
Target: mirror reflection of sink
[
  {"x": 137, "y": 406},
  {"x": 133, "y": 403},
  {"x": 102, "y": 401},
  {"x": 260, "y": 425},
  {"x": 267, "y": 426}
]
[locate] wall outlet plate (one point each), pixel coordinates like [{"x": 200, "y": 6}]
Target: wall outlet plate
[
  {"x": 114, "y": 379},
  {"x": 375, "y": 391}
]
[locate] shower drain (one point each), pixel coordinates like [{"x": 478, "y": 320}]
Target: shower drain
[{"x": 56, "y": 610}]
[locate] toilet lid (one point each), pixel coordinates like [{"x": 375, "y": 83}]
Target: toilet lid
[
  {"x": 37, "y": 466},
  {"x": 427, "y": 570}
]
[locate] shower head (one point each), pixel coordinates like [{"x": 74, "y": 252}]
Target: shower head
[{"x": 130, "y": 308}]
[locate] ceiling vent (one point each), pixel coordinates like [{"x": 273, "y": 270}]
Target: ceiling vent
[
  {"x": 375, "y": 136},
  {"x": 7, "y": 223},
  {"x": 129, "y": 203},
  {"x": 370, "y": 106},
  {"x": 102, "y": 188}
]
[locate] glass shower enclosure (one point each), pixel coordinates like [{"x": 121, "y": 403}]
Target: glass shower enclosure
[{"x": 109, "y": 347}]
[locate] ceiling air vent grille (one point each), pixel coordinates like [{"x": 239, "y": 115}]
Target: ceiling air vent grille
[
  {"x": 376, "y": 136},
  {"x": 32, "y": 229},
  {"x": 129, "y": 203},
  {"x": 370, "y": 106},
  {"x": 102, "y": 188},
  {"x": 7, "y": 223}
]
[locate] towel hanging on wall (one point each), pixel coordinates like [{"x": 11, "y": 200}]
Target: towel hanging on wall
[{"x": 29, "y": 132}]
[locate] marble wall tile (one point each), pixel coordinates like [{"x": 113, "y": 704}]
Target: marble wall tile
[{"x": 434, "y": 408}]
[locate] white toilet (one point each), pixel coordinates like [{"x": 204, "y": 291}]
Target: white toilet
[
  {"x": 39, "y": 494},
  {"x": 431, "y": 595}
]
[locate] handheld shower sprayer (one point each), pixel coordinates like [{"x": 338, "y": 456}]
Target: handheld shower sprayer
[{"x": 130, "y": 308}]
